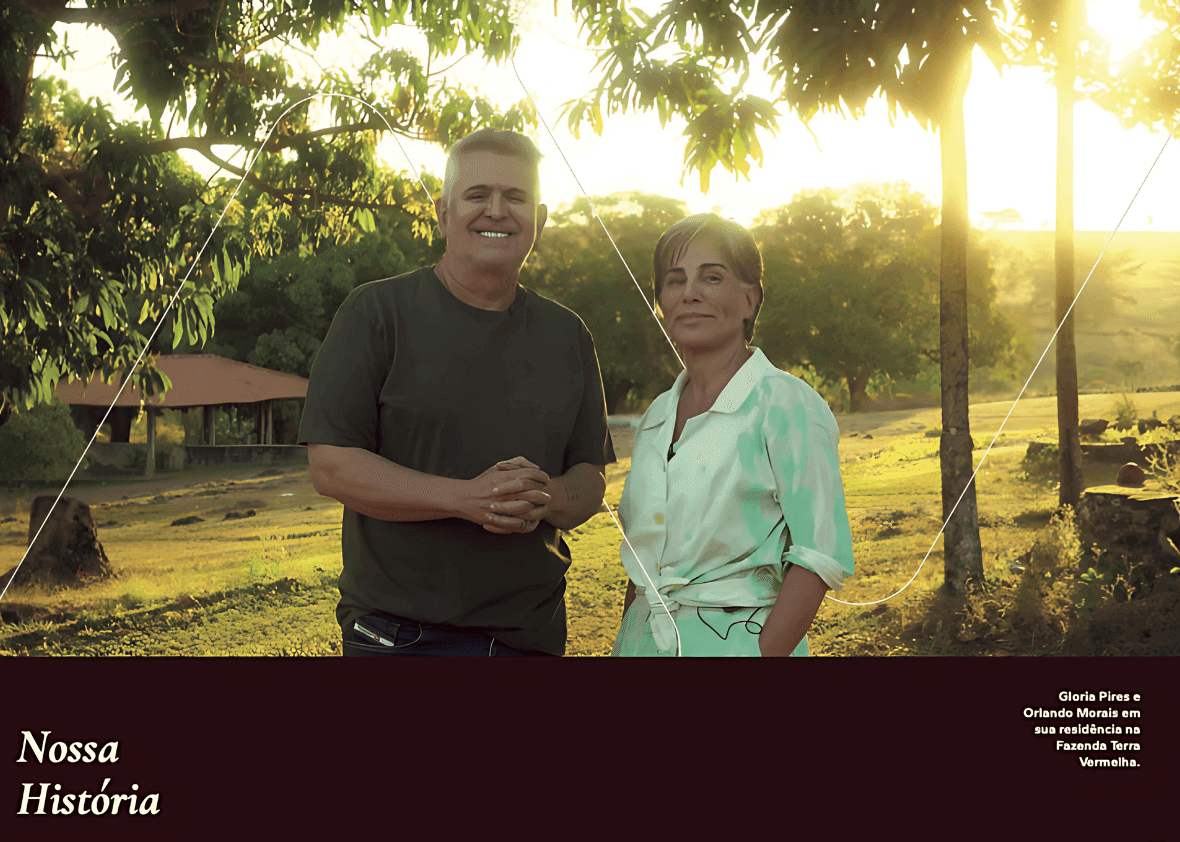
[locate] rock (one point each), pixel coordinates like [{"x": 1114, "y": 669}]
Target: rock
[
  {"x": 867, "y": 436},
  {"x": 1146, "y": 424},
  {"x": 17, "y": 612},
  {"x": 1093, "y": 426},
  {"x": 67, "y": 552},
  {"x": 239, "y": 515},
  {"x": 1124, "y": 425},
  {"x": 1131, "y": 440},
  {"x": 933, "y": 434},
  {"x": 1131, "y": 476},
  {"x": 853, "y": 435},
  {"x": 1035, "y": 447},
  {"x": 185, "y": 521},
  {"x": 1141, "y": 525}
]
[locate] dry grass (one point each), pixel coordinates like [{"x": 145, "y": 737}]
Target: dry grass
[{"x": 266, "y": 584}]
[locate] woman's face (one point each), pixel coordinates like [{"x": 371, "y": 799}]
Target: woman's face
[{"x": 703, "y": 302}]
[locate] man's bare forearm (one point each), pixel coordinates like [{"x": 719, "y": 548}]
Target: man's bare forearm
[
  {"x": 577, "y": 495},
  {"x": 374, "y": 486}
]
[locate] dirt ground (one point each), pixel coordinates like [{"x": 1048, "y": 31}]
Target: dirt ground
[{"x": 1030, "y": 415}]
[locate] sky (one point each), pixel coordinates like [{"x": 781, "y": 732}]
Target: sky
[{"x": 1010, "y": 122}]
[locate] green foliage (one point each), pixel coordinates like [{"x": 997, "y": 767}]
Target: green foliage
[
  {"x": 850, "y": 282},
  {"x": 41, "y": 443},
  {"x": 99, "y": 220},
  {"x": 1058, "y": 550},
  {"x": 1125, "y": 412},
  {"x": 820, "y": 57},
  {"x": 1040, "y": 466},
  {"x": 576, "y": 265},
  {"x": 284, "y": 304},
  {"x": 851, "y": 288}
]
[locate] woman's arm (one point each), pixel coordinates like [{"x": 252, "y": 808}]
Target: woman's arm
[
  {"x": 630, "y": 597},
  {"x": 793, "y": 612}
]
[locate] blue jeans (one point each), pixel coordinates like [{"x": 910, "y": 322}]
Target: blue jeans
[{"x": 383, "y": 635}]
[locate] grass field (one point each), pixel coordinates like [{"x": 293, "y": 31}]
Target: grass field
[{"x": 266, "y": 584}]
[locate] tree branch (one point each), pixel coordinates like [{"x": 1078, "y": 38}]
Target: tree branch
[
  {"x": 201, "y": 144},
  {"x": 60, "y": 182},
  {"x": 282, "y": 194},
  {"x": 54, "y": 12}
]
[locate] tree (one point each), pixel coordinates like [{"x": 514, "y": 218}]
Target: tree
[
  {"x": 1143, "y": 91},
  {"x": 282, "y": 307},
  {"x": 851, "y": 286},
  {"x": 576, "y": 265},
  {"x": 1054, "y": 26},
  {"x": 822, "y": 57},
  {"x": 99, "y": 220},
  {"x": 1069, "y": 447},
  {"x": 1129, "y": 370}
]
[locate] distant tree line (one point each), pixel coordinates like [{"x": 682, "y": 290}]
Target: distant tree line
[{"x": 851, "y": 291}]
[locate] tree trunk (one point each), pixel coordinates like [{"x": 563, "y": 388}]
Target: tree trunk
[
  {"x": 1068, "y": 435},
  {"x": 615, "y": 394},
  {"x": 857, "y": 399},
  {"x": 962, "y": 553}
]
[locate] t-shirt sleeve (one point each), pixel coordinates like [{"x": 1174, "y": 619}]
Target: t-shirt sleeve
[
  {"x": 802, "y": 440},
  {"x": 590, "y": 441},
  {"x": 346, "y": 378}
]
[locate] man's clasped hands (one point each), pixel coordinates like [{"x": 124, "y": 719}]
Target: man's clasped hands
[{"x": 511, "y": 497}]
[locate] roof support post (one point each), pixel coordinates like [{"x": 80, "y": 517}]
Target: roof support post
[{"x": 149, "y": 469}]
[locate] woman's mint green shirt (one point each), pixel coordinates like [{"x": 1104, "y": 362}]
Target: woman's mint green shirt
[{"x": 754, "y": 486}]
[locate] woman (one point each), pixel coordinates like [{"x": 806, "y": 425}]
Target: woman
[{"x": 733, "y": 510}]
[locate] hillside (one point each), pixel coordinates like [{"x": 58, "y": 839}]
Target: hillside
[{"x": 1128, "y": 309}]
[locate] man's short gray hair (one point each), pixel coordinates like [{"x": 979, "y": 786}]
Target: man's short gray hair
[{"x": 494, "y": 140}]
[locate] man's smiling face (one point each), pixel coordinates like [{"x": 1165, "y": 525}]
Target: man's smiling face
[{"x": 491, "y": 218}]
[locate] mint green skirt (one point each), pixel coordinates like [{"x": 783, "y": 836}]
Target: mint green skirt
[{"x": 714, "y": 633}]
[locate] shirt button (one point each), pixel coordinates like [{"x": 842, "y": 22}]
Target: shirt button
[{"x": 659, "y": 518}]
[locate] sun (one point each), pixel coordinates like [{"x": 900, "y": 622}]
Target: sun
[{"x": 1122, "y": 24}]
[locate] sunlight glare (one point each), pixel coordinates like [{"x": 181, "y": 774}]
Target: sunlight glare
[{"x": 1123, "y": 24}]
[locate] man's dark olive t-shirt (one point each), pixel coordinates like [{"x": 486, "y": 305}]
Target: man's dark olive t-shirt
[{"x": 410, "y": 372}]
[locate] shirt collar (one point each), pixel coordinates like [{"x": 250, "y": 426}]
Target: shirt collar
[{"x": 731, "y": 398}]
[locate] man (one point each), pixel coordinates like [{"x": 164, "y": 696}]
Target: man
[{"x": 461, "y": 420}]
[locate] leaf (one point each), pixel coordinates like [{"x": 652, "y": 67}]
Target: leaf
[
  {"x": 81, "y": 304},
  {"x": 143, "y": 312},
  {"x": 596, "y": 119}
]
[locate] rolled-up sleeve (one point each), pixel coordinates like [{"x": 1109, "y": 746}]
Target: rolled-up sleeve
[{"x": 802, "y": 441}]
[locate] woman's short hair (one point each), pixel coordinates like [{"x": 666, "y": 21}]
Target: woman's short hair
[
  {"x": 494, "y": 140},
  {"x": 738, "y": 249}
]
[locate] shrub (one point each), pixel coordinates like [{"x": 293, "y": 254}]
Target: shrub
[
  {"x": 41, "y": 443},
  {"x": 1040, "y": 463},
  {"x": 1125, "y": 412},
  {"x": 1166, "y": 469},
  {"x": 1043, "y": 602}
]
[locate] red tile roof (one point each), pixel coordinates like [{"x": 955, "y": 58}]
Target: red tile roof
[{"x": 197, "y": 380}]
